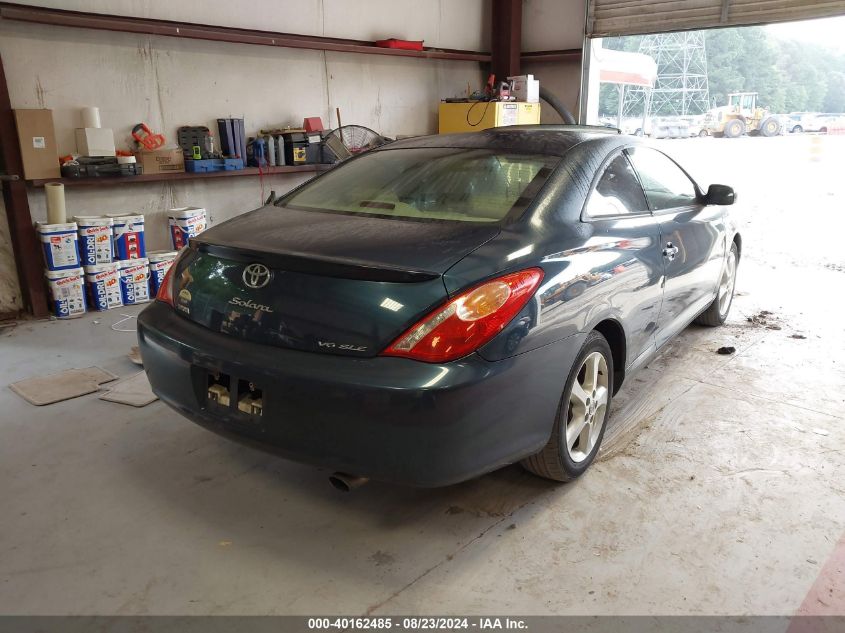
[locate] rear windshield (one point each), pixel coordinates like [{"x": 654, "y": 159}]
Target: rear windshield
[{"x": 466, "y": 185}]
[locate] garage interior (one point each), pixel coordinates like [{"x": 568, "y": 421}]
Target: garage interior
[{"x": 720, "y": 486}]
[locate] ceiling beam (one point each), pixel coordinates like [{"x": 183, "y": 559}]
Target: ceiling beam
[{"x": 189, "y": 30}]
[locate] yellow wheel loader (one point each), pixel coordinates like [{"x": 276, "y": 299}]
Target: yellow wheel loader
[{"x": 741, "y": 116}]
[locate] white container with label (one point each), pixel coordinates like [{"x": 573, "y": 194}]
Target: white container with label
[
  {"x": 185, "y": 223},
  {"x": 96, "y": 240},
  {"x": 134, "y": 281},
  {"x": 128, "y": 236},
  {"x": 160, "y": 263},
  {"x": 102, "y": 282},
  {"x": 59, "y": 245},
  {"x": 67, "y": 292}
]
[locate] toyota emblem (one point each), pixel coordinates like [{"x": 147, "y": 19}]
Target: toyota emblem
[{"x": 257, "y": 276}]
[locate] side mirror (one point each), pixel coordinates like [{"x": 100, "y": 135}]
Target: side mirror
[{"x": 720, "y": 194}]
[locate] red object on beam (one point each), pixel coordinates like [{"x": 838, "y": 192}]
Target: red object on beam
[
  {"x": 406, "y": 45},
  {"x": 313, "y": 124}
]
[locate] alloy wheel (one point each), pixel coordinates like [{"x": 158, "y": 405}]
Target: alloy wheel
[{"x": 587, "y": 407}]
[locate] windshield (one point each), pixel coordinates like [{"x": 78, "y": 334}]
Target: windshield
[{"x": 467, "y": 185}]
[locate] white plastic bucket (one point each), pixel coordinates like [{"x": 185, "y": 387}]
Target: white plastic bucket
[
  {"x": 96, "y": 237},
  {"x": 102, "y": 282},
  {"x": 185, "y": 223},
  {"x": 160, "y": 263},
  {"x": 134, "y": 281},
  {"x": 67, "y": 292},
  {"x": 59, "y": 245},
  {"x": 129, "y": 236}
]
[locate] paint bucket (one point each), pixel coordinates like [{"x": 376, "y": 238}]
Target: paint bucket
[
  {"x": 67, "y": 292},
  {"x": 129, "y": 236},
  {"x": 102, "y": 282},
  {"x": 134, "y": 281},
  {"x": 95, "y": 239},
  {"x": 160, "y": 263},
  {"x": 185, "y": 223},
  {"x": 59, "y": 245}
]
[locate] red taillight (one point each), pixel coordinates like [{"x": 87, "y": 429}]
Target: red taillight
[
  {"x": 165, "y": 290},
  {"x": 468, "y": 321}
]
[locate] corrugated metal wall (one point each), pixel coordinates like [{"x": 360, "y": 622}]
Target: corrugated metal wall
[{"x": 630, "y": 17}]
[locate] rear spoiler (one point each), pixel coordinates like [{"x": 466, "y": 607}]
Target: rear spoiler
[{"x": 323, "y": 266}]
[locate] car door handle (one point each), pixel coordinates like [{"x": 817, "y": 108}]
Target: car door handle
[{"x": 670, "y": 251}]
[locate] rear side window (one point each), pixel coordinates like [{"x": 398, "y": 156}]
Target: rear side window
[
  {"x": 466, "y": 185},
  {"x": 666, "y": 185},
  {"x": 618, "y": 192}
]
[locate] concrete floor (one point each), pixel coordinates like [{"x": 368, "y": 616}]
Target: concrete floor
[{"x": 720, "y": 490}]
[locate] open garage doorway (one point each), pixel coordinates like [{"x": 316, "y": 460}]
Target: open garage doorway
[{"x": 762, "y": 109}]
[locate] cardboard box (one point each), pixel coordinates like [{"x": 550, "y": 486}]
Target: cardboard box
[
  {"x": 161, "y": 161},
  {"x": 38, "y": 143},
  {"x": 526, "y": 88},
  {"x": 95, "y": 141}
]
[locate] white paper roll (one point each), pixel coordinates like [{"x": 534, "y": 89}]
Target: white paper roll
[
  {"x": 56, "y": 212},
  {"x": 91, "y": 117}
]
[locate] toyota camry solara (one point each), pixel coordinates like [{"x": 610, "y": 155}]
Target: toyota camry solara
[{"x": 442, "y": 306}]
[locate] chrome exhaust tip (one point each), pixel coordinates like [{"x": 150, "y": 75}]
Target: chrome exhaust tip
[{"x": 345, "y": 482}]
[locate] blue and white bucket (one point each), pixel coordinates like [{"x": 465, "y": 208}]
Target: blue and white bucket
[
  {"x": 67, "y": 292},
  {"x": 129, "y": 236},
  {"x": 185, "y": 223},
  {"x": 134, "y": 281},
  {"x": 96, "y": 245},
  {"x": 160, "y": 263},
  {"x": 102, "y": 281},
  {"x": 59, "y": 245}
]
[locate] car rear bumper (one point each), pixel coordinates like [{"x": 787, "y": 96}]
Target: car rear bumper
[{"x": 391, "y": 419}]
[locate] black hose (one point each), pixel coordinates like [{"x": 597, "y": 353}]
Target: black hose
[{"x": 557, "y": 106}]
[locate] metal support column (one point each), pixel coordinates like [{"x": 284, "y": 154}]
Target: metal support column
[
  {"x": 507, "y": 38},
  {"x": 22, "y": 233}
]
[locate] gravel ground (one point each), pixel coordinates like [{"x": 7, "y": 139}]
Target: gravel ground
[{"x": 790, "y": 193}]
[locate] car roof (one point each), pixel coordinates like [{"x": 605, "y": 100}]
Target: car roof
[{"x": 554, "y": 140}]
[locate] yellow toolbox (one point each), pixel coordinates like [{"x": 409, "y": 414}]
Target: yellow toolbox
[{"x": 482, "y": 115}]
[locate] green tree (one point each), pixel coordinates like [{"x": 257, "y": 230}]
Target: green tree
[
  {"x": 834, "y": 99},
  {"x": 789, "y": 76}
]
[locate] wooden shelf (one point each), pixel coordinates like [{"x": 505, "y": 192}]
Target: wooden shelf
[{"x": 125, "y": 180}]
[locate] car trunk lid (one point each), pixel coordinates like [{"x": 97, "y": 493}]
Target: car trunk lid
[{"x": 320, "y": 282}]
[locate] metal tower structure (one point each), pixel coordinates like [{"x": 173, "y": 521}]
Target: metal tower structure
[{"x": 681, "y": 86}]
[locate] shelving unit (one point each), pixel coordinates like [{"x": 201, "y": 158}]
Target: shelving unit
[{"x": 126, "y": 180}]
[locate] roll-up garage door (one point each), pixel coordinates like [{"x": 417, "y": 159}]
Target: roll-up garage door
[{"x": 630, "y": 17}]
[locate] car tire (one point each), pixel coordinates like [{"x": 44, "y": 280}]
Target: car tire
[
  {"x": 734, "y": 128},
  {"x": 797, "y": 129},
  {"x": 702, "y": 134},
  {"x": 717, "y": 312},
  {"x": 562, "y": 459}
]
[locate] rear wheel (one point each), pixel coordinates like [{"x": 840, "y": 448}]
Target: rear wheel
[
  {"x": 579, "y": 426},
  {"x": 717, "y": 312},
  {"x": 734, "y": 128},
  {"x": 797, "y": 129}
]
